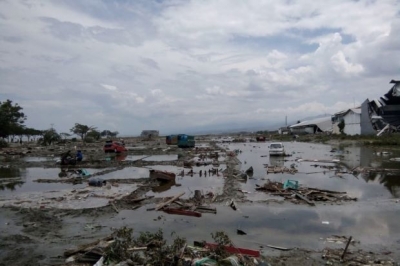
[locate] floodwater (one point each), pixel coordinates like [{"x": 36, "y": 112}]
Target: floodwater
[
  {"x": 372, "y": 220},
  {"x": 128, "y": 157},
  {"x": 364, "y": 187},
  {"x": 187, "y": 183},
  {"x": 21, "y": 180}
]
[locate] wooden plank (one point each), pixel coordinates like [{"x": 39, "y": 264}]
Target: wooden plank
[
  {"x": 140, "y": 199},
  {"x": 163, "y": 204},
  {"x": 325, "y": 190},
  {"x": 137, "y": 249},
  {"x": 71, "y": 252},
  {"x": 114, "y": 207},
  {"x": 206, "y": 209},
  {"x": 304, "y": 198},
  {"x": 182, "y": 212},
  {"x": 347, "y": 246},
  {"x": 279, "y": 248}
]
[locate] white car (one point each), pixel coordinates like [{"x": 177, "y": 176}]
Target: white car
[{"x": 276, "y": 149}]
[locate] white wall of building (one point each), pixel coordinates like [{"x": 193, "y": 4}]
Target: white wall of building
[{"x": 352, "y": 123}]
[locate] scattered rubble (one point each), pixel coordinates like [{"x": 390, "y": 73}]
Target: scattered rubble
[{"x": 306, "y": 194}]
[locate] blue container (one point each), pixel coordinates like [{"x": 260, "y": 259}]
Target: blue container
[{"x": 293, "y": 184}]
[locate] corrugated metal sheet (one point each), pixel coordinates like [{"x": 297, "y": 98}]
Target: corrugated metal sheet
[{"x": 324, "y": 124}]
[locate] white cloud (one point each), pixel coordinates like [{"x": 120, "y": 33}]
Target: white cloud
[
  {"x": 173, "y": 64},
  {"x": 109, "y": 87},
  {"x": 340, "y": 64}
]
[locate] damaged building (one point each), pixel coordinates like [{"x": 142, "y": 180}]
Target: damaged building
[
  {"x": 351, "y": 119},
  {"x": 383, "y": 113},
  {"x": 314, "y": 126},
  {"x": 373, "y": 117}
]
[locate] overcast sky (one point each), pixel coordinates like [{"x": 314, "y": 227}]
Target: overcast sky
[{"x": 179, "y": 65}]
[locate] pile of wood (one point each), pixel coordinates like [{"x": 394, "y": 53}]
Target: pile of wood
[
  {"x": 305, "y": 194},
  {"x": 89, "y": 253},
  {"x": 193, "y": 208}
]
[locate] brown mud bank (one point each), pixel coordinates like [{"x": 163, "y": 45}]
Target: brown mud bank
[{"x": 43, "y": 214}]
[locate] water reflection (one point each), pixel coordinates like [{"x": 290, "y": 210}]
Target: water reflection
[
  {"x": 10, "y": 178},
  {"x": 312, "y": 174},
  {"x": 277, "y": 161},
  {"x": 9, "y": 172},
  {"x": 11, "y": 186}
]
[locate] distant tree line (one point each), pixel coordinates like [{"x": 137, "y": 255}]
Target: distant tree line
[{"x": 12, "y": 127}]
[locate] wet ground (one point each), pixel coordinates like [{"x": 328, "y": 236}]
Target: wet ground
[{"x": 268, "y": 220}]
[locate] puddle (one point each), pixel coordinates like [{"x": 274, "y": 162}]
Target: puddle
[{"x": 364, "y": 187}]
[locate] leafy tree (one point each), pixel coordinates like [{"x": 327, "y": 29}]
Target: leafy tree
[
  {"x": 65, "y": 135},
  {"x": 81, "y": 130},
  {"x": 31, "y": 132},
  {"x": 94, "y": 134},
  {"x": 107, "y": 133},
  {"x": 11, "y": 118},
  {"x": 16, "y": 130},
  {"x": 50, "y": 136}
]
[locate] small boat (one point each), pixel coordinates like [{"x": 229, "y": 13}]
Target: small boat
[
  {"x": 162, "y": 175},
  {"x": 182, "y": 212}
]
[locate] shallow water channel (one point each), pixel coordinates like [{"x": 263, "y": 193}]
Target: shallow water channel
[{"x": 372, "y": 220}]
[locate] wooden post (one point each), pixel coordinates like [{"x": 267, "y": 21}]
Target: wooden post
[{"x": 347, "y": 246}]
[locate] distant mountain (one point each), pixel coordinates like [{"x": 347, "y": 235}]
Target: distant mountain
[{"x": 235, "y": 127}]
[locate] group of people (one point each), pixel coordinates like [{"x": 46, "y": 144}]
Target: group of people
[{"x": 68, "y": 159}]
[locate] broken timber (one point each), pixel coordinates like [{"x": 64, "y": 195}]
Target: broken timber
[
  {"x": 304, "y": 198},
  {"x": 163, "y": 204},
  {"x": 279, "y": 248}
]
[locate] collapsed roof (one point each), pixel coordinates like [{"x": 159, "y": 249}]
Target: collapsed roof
[{"x": 388, "y": 106}]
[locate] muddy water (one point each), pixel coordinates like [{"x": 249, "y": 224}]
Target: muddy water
[{"x": 21, "y": 180}]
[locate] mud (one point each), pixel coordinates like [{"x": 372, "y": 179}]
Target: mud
[{"x": 43, "y": 214}]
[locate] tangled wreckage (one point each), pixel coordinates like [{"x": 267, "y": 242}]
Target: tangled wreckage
[{"x": 382, "y": 114}]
